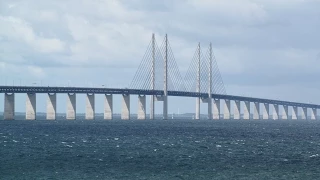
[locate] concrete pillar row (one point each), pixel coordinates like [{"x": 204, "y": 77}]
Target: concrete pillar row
[
  {"x": 90, "y": 107},
  {"x": 236, "y": 114},
  {"x": 142, "y": 107},
  {"x": 71, "y": 106},
  {"x": 125, "y": 111},
  {"x": 31, "y": 105},
  {"x": 51, "y": 106},
  {"x": 216, "y": 109},
  {"x": 9, "y": 106},
  {"x": 108, "y": 107},
  {"x": 246, "y": 110}
]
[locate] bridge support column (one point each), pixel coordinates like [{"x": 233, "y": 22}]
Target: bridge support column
[
  {"x": 313, "y": 114},
  {"x": 256, "y": 111},
  {"x": 227, "y": 105},
  {"x": 8, "y": 113},
  {"x": 209, "y": 108},
  {"x": 236, "y": 114},
  {"x": 90, "y": 107},
  {"x": 165, "y": 107},
  {"x": 266, "y": 111},
  {"x": 246, "y": 110},
  {"x": 31, "y": 106},
  {"x": 125, "y": 112},
  {"x": 51, "y": 106},
  {"x": 141, "y": 107},
  {"x": 197, "y": 115},
  {"x": 152, "y": 99},
  {"x": 304, "y": 113},
  {"x": 285, "y": 112},
  {"x": 71, "y": 106},
  {"x": 275, "y": 109},
  {"x": 216, "y": 109},
  {"x": 294, "y": 113},
  {"x": 108, "y": 106}
]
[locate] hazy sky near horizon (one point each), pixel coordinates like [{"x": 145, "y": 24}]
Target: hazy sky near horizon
[{"x": 264, "y": 48}]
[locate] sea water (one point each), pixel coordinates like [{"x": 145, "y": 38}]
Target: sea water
[{"x": 173, "y": 149}]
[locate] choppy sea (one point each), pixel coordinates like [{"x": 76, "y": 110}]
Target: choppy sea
[{"x": 163, "y": 150}]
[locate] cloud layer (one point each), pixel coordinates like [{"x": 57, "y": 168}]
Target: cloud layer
[{"x": 261, "y": 46}]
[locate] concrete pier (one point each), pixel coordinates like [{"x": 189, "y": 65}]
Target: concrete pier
[
  {"x": 9, "y": 110},
  {"x": 294, "y": 113},
  {"x": 31, "y": 106},
  {"x": 141, "y": 107},
  {"x": 197, "y": 115},
  {"x": 152, "y": 99},
  {"x": 266, "y": 111},
  {"x": 304, "y": 113},
  {"x": 236, "y": 110},
  {"x": 71, "y": 106},
  {"x": 246, "y": 110},
  {"x": 165, "y": 107},
  {"x": 256, "y": 111},
  {"x": 125, "y": 111},
  {"x": 51, "y": 106},
  {"x": 285, "y": 112},
  {"x": 275, "y": 110},
  {"x": 227, "y": 105},
  {"x": 209, "y": 108},
  {"x": 90, "y": 107},
  {"x": 108, "y": 107},
  {"x": 216, "y": 109},
  {"x": 313, "y": 114}
]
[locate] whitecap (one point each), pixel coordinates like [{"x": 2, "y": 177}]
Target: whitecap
[
  {"x": 315, "y": 155},
  {"x": 116, "y": 139},
  {"x": 15, "y": 141},
  {"x": 218, "y": 146},
  {"x": 68, "y": 145},
  {"x": 64, "y": 142},
  {"x": 117, "y": 146}
]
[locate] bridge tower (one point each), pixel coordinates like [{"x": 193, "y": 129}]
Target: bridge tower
[
  {"x": 210, "y": 84},
  {"x": 153, "y": 77},
  {"x": 165, "y": 88},
  {"x": 198, "y": 83},
  {"x": 157, "y": 72}
]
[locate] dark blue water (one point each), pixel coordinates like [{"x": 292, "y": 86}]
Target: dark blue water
[{"x": 159, "y": 149}]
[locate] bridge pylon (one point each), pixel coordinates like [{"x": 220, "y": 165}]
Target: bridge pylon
[
  {"x": 158, "y": 70},
  {"x": 203, "y": 76}
]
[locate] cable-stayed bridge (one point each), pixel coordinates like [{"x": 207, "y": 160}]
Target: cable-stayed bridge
[{"x": 158, "y": 76}]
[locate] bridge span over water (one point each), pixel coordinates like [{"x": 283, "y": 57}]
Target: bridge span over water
[{"x": 202, "y": 81}]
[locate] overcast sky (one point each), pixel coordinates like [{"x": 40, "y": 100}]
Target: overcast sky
[{"x": 264, "y": 48}]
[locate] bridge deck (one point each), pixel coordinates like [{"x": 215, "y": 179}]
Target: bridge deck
[{"x": 85, "y": 90}]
